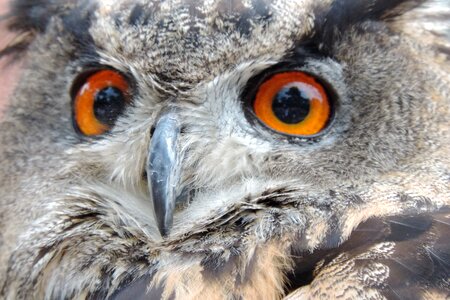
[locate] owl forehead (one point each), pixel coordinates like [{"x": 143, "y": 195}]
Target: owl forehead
[
  {"x": 213, "y": 15},
  {"x": 199, "y": 38}
]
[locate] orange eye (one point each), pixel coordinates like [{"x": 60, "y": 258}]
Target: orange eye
[
  {"x": 99, "y": 101},
  {"x": 293, "y": 103}
]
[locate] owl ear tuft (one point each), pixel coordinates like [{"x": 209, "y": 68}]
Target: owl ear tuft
[
  {"x": 429, "y": 24},
  {"x": 389, "y": 9},
  {"x": 27, "y": 18},
  {"x": 32, "y": 15},
  {"x": 343, "y": 14}
]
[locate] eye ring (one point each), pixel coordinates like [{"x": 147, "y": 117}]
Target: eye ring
[
  {"x": 99, "y": 97},
  {"x": 292, "y": 103}
]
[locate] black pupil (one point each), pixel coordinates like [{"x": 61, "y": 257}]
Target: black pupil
[
  {"x": 291, "y": 105},
  {"x": 109, "y": 103}
]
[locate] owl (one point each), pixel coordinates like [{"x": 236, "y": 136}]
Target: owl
[{"x": 227, "y": 149}]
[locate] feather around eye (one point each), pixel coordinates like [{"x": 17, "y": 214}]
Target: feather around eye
[{"x": 99, "y": 101}]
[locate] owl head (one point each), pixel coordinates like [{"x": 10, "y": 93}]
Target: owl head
[{"x": 195, "y": 147}]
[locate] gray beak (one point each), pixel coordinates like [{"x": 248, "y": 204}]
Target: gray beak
[{"x": 163, "y": 170}]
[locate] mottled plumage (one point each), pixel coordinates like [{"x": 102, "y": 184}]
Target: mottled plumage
[{"x": 360, "y": 211}]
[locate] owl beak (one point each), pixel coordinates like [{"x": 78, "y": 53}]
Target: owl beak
[{"x": 163, "y": 170}]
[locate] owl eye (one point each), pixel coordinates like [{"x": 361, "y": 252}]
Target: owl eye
[
  {"x": 99, "y": 100},
  {"x": 293, "y": 103}
]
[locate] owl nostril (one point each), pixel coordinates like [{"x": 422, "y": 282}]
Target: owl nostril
[
  {"x": 152, "y": 131},
  {"x": 183, "y": 130}
]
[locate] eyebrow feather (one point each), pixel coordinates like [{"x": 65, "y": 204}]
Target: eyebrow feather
[{"x": 336, "y": 18}]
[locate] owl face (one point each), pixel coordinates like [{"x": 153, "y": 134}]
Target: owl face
[{"x": 185, "y": 136}]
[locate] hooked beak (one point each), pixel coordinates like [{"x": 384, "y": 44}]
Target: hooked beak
[{"x": 163, "y": 171}]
